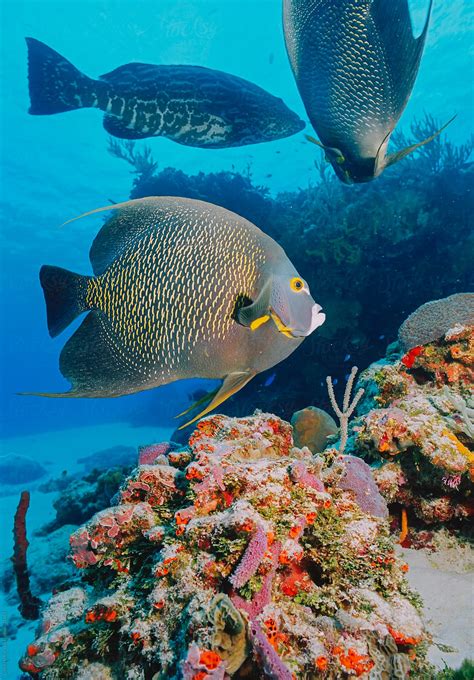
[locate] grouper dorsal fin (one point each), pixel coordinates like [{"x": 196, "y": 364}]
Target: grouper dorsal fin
[
  {"x": 401, "y": 49},
  {"x": 119, "y": 231},
  {"x": 393, "y": 158}
]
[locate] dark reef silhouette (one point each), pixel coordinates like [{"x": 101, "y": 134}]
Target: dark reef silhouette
[{"x": 371, "y": 254}]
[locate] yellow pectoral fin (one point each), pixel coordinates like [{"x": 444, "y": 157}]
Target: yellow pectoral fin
[
  {"x": 281, "y": 326},
  {"x": 259, "y": 322},
  {"x": 232, "y": 384}
]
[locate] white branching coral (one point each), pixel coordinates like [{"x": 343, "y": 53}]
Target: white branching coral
[{"x": 348, "y": 407}]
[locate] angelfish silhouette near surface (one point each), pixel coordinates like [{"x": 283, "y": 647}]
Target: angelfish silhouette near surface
[
  {"x": 355, "y": 64},
  {"x": 191, "y": 105},
  {"x": 181, "y": 289}
]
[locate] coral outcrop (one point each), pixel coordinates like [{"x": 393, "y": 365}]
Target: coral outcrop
[
  {"x": 240, "y": 556},
  {"x": 419, "y": 422}
]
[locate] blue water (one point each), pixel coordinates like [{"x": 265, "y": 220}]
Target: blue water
[{"x": 56, "y": 167}]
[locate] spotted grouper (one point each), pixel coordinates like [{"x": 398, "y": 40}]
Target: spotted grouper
[
  {"x": 355, "y": 64},
  {"x": 181, "y": 289},
  {"x": 192, "y": 105}
]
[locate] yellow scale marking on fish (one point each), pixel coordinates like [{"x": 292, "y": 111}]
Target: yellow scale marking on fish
[{"x": 149, "y": 294}]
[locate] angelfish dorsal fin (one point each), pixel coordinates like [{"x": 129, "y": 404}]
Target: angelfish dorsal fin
[
  {"x": 123, "y": 227},
  {"x": 402, "y": 51},
  {"x": 393, "y": 158}
]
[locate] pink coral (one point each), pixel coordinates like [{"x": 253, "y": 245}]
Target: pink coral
[
  {"x": 147, "y": 455},
  {"x": 301, "y": 474},
  {"x": 264, "y": 595},
  {"x": 357, "y": 477},
  {"x": 271, "y": 662},
  {"x": 252, "y": 557}
]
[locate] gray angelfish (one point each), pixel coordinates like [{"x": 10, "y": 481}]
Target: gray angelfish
[
  {"x": 355, "y": 64},
  {"x": 191, "y": 105},
  {"x": 181, "y": 289}
]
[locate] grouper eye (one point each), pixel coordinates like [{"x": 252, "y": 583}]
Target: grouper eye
[{"x": 296, "y": 284}]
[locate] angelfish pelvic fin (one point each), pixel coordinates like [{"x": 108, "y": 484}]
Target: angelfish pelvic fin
[
  {"x": 207, "y": 397},
  {"x": 313, "y": 140},
  {"x": 393, "y": 158},
  {"x": 232, "y": 384}
]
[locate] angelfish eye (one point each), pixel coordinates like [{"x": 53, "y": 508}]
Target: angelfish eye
[{"x": 296, "y": 284}]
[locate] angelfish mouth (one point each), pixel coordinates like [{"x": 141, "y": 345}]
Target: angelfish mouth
[
  {"x": 318, "y": 317},
  {"x": 286, "y": 330}
]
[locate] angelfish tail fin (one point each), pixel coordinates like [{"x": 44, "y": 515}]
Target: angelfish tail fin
[
  {"x": 65, "y": 296},
  {"x": 55, "y": 85}
]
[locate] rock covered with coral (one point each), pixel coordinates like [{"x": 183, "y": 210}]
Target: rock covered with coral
[
  {"x": 311, "y": 427},
  {"x": 419, "y": 422},
  {"x": 241, "y": 556}
]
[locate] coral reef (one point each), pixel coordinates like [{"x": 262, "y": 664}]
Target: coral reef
[
  {"x": 240, "y": 556},
  {"x": 84, "y": 496},
  {"x": 418, "y": 422},
  {"x": 115, "y": 456},
  {"x": 433, "y": 319}
]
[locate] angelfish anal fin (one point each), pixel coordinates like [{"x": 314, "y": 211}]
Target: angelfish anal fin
[
  {"x": 254, "y": 315},
  {"x": 393, "y": 158},
  {"x": 232, "y": 384}
]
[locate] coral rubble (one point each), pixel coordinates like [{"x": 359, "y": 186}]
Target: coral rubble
[
  {"x": 240, "y": 556},
  {"x": 419, "y": 422}
]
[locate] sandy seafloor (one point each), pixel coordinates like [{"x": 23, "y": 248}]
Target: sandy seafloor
[{"x": 446, "y": 587}]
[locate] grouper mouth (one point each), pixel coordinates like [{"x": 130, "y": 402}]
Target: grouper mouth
[{"x": 317, "y": 319}]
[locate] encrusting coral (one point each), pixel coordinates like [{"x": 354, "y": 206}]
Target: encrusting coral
[
  {"x": 240, "y": 556},
  {"x": 418, "y": 420}
]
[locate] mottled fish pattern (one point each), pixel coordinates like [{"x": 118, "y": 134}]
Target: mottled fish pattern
[
  {"x": 171, "y": 276},
  {"x": 192, "y": 105},
  {"x": 355, "y": 64}
]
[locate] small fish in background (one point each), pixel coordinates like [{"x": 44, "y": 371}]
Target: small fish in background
[
  {"x": 191, "y": 105},
  {"x": 269, "y": 381},
  {"x": 181, "y": 289},
  {"x": 355, "y": 64}
]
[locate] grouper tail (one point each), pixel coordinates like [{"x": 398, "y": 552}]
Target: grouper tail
[
  {"x": 65, "y": 296},
  {"x": 55, "y": 84}
]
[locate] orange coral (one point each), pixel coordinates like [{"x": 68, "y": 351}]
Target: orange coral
[
  {"x": 402, "y": 639},
  {"x": 352, "y": 660},
  {"x": 321, "y": 663},
  {"x": 210, "y": 659}
]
